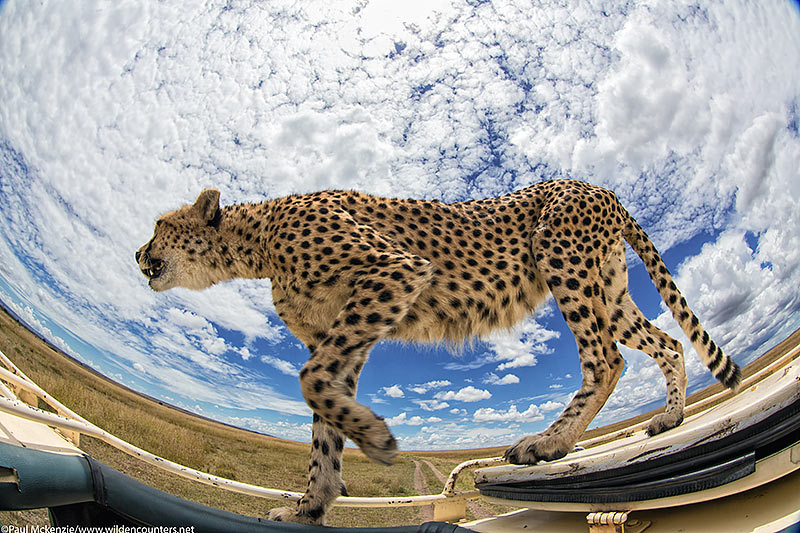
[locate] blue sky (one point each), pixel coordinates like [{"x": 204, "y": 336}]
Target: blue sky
[{"x": 112, "y": 113}]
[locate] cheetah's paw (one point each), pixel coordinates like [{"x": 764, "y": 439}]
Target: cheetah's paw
[
  {"x": 287, "y": 514},
  {"x": 534, "y": 448},
  {"x": 664, "y": 421},
  {"x": 379, "y": 444}
]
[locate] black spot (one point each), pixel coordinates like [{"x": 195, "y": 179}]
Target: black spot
[{"x": 385, "y": 296}]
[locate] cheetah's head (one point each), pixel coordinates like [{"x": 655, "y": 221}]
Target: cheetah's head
[{"x": 173, "y": 257}]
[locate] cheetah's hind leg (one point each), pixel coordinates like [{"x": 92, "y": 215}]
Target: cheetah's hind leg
[
  {"x": 580, "y": 299},
  {"x": 630, "y": 327}
]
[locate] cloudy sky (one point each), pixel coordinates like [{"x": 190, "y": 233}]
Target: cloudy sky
[{"x": 113, "y": 112}]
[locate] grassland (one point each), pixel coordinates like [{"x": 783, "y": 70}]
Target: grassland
[{"x": 208, "y": 446}]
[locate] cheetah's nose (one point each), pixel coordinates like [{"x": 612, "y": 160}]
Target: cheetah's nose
[{"x": 137, "y": 255}]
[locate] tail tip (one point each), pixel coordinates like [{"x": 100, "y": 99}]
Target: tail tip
[{"x": 733, "y": 378}]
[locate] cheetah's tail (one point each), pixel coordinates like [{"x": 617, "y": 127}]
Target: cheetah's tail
[{"x": 722, "y": 366}]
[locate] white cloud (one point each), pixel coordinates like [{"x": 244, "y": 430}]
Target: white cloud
[
  {"x": 450, "y": 435},
  {"x": 425, "y": 387},
  {"x": 550, "y": 405},
  {"x": 282, "y": 365},
  {"x": 753, "y": 157},
  {"x": 494, "y": 379},
  {"x": 640, "y": 385},
  {"x": 489, "y": 414},
  {"x": 648, "y": 105},
  {"x": 467, "y": 394},
  {"x": 393, "y": 392},
  {"x": 404, "y": 419},
  {"x": 520, "y": 346},
  {"x": 431, "y": 405},
  {"x": 280, "y": 428},
  {"x": 244, "y": 351},
  {"x": 470, "y": 365},
  {"x": 28, "y": 316}
]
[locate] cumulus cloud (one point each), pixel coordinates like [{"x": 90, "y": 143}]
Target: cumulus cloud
[
  {"x": 467, "y": 394},
  {"x": 287, "y": 430},
  {"x": 494, "y": 379},
  {"x": 550, "y": 405},
  {"x": 452, "y": 435},
  {"x": 29, "y": 316},
  {"x": 520, "y": 347},
  {"x": 490, "y": 414},
  {"x": 425, "y": 387},
  {"x": 286, "y": 367},
  {"x": 404, "y": 419},
  {"x": 431, "y": 405},
  {"x": 393, "y": 392}
]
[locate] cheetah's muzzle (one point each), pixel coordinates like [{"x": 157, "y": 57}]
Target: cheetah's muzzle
[{"x": 151, "y": 268}]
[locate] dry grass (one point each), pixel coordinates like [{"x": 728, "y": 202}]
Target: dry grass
[{"x": 201, "y": 444}]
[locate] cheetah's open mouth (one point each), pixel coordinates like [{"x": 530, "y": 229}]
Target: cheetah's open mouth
[{"x": 154, "y": 268}]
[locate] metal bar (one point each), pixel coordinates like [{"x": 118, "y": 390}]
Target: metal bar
[
  {"x": 66, "y": 419},
  {"x": 450, "y": 485},
  {"x": 22, "y": 381},
  {"x": 23, "y": 410}
]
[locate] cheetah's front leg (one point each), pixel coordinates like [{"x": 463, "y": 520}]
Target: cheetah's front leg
[
  {"x": 324, "y": 478},
  {"x": 380, "y": 300}
]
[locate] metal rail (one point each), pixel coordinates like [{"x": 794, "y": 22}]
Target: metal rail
[{"x": 66, "y": 419}]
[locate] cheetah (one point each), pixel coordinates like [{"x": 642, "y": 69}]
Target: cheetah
[{"x": 349, "y": 269}]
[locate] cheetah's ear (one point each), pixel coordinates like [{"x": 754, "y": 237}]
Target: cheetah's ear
[{"x": 207, "y": 206}]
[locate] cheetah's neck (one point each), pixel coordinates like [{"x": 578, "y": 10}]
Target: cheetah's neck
[{"x": 240, "y": 250}]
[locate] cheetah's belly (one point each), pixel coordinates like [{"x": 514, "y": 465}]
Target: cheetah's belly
[{"x": 440, "y": 315}]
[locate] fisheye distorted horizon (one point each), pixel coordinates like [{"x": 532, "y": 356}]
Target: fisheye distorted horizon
[{"x": 113, "y": 113}]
